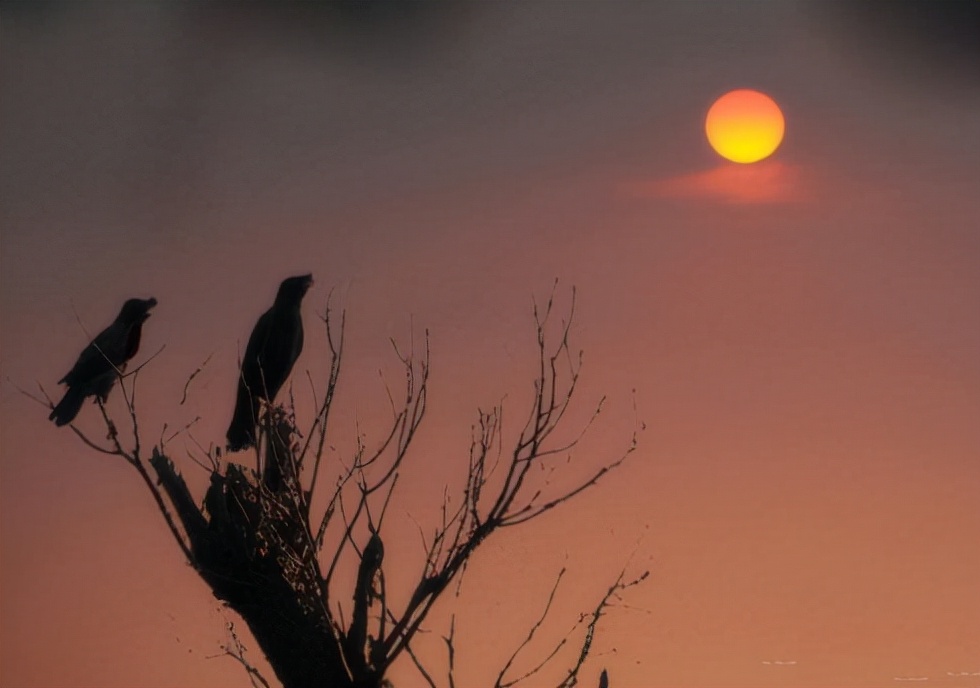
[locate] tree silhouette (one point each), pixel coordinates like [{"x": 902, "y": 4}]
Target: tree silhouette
[{"x": 267, "y": 552}]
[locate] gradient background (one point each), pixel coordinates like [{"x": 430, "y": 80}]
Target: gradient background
[{"x": 803, "y": 335}]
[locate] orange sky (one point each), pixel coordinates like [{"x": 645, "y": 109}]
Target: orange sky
[{"x": 803, "y": 335}]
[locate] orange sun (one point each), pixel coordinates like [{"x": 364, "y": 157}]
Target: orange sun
[{"x": 745, "y": 126}]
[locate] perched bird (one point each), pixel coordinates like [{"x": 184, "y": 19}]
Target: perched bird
[
  {"x": 96, "y": 369},
  {"x": 273, "y": 348}
]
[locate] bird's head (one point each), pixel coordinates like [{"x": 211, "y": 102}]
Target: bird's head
[
  {"x": 136, "y": 310},
  {"x": 293, "y": 289}
]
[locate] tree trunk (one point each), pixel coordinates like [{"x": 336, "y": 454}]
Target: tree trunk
[{"x": 238, "y": 551}]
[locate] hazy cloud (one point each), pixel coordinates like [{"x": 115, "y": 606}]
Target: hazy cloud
[{"x": 764, "y": 182}]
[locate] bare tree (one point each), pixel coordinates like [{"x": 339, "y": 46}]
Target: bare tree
[{"x": 269, "y": 554}]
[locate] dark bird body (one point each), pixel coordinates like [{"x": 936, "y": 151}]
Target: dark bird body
[
  {"x": 273, "y": 348},
  {"x": 97, "y": 367}
]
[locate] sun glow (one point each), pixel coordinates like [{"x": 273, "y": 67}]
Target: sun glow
[{"x": 745, "y": 126}]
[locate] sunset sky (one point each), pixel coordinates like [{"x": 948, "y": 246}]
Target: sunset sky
[{"x": 802, "y": 334}]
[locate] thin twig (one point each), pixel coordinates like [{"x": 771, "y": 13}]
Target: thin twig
[
  {"x": 254, "y": 675},
  {"x": 187, "y": 384},
  {"x": 499, "y": 683}
]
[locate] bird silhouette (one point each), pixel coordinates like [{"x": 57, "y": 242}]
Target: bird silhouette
[
  {"x": 97, "y": 367},
  {"x": 275, "y": 344}
]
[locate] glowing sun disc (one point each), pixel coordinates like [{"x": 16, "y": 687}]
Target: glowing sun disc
[{"x": 745, "y": 126}]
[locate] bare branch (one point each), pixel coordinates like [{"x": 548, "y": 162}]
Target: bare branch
[
  {"x": 142, "y": 365},
  {"x": 49, "y": 404},
  {"x": 527, "y": 513},
  {"x": 238, "y": 654},
  {"x": 78, "y": 319},
  {"x": 212, "y": 453},
  {"x": 323, "y": 414},
  {"x": 421, "y": 668},
  {"x": 499, "y": 683},
  {"x": 175, "y": 433},
  {"x": 309, "y": 379},
  {"x": 187, "y": 384},
  {"x": 571, "y": 679},
  {"x": 93, "y": 445},
  {"x": 451, "y": 650}
]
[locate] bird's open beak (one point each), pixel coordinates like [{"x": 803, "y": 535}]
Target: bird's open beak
[{"x": 150, "y": 303}]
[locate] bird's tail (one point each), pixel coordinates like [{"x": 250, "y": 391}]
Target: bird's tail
[
  {"x": 69, "y": 406},
  {"x": 241, "y": 432}
]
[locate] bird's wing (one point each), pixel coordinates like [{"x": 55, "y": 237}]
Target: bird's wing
[
  {"x": 297, "y": 342},
  {"x": 99, "y": 357},
  {"x": 255, "y": 352}
]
